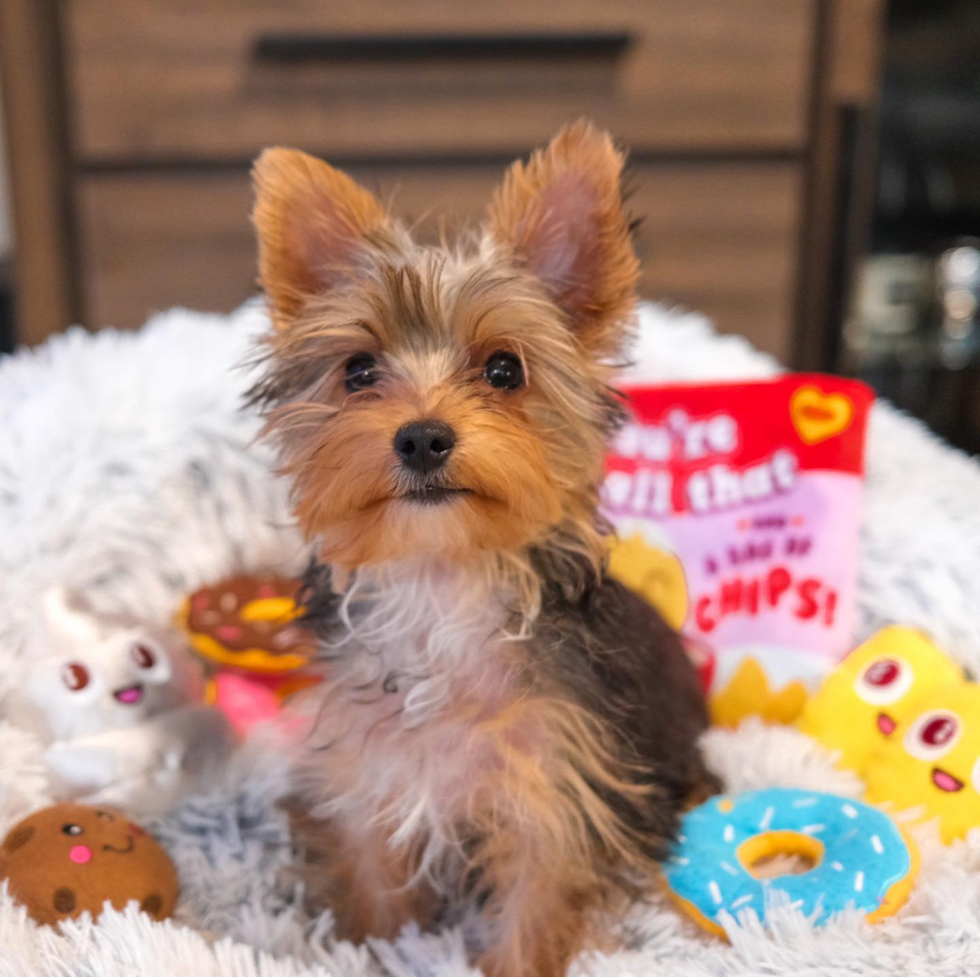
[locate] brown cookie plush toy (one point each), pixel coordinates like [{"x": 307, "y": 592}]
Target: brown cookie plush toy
[{"x": 69, "y": 858}]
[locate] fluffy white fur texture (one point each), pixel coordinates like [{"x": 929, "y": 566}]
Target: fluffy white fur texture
[{"x": 127, "y": 470}]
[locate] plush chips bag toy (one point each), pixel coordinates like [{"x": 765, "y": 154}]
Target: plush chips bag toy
[{"x": 754, "y": 489}]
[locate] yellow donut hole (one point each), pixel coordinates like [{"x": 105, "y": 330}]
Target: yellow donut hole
[{"x": 775, "y": 853}]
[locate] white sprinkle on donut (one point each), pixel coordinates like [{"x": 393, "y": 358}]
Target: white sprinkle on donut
[
  {"x": 682, "y": 861},
  {"x": 742, "y": 901},
  {"x": 767, "y": 818},
  {"x": 849, "y": 810},
  {"x": 729, "y": 869},
  {"x": 877, "y": 845},
  {"x": 805, "y": 802},
  {"x": 812, "y": 829},
  {"x": 837, "y": 867},
  {"x": 859, "y": 882},
  {"x": 715, "y": 892},
  {"x": 729, "y": 833}
]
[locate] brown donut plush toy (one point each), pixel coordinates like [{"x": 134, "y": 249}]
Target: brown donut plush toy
[
  {"x": 69, "y": 858},
  {"x": 248, "y": 633},
  {"x": 249, "y": 623}
]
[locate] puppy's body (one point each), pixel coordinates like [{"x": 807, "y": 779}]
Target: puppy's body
[
  {"x": 455, "y": 759},
  {"x": 500, "y": 725}
]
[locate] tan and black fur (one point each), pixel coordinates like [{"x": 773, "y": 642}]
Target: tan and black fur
[{"x": 501, "y": 726}]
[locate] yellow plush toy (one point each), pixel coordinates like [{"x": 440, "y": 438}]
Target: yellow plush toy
[
  {"x": 903, "y": 716},
  {"x": 748, "y": 693},
  {"x": 654, "y": 573},
  {"x": 874, "y": 689},
  {"x": 932, "y": 761}
]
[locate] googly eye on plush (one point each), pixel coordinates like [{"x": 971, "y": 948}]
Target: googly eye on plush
[
  {"x": 360, "y": 372},
  {"x": 148, "y": 662},
  {"x": 143, "y": 656},
  {"x": 75, "y": 676},
  {"x": 933, "y": 735},
  {"x": 504, "y": 371},
  {"x": 72, "y": 829},
  {"x": 884, "y": 681}
]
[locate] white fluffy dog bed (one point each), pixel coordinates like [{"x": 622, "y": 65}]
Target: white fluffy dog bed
[{"x": 127, "y": 470}]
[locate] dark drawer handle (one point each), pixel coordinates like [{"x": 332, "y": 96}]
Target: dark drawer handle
[{"x": 277, "y": 48}]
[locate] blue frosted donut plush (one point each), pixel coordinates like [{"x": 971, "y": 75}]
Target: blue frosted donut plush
[{"x": 859, "y": 856}]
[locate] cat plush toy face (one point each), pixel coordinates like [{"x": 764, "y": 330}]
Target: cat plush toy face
[{"x": 92, "y": 675}]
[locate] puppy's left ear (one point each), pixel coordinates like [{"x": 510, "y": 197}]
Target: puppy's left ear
[{"x": 561, "y": 216}]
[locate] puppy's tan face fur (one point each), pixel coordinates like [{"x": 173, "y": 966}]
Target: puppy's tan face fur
[{"x": 374, "y": 333}]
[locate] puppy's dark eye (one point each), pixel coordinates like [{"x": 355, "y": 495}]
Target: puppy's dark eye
[
  {"x": 72, "y": 829},
  {"x": 360, "y": 373},
  {"x": 504, "y": 371}
]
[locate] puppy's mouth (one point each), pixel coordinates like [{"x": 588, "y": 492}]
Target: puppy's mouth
[
  {"x": 886, "y": 724},
  {"x": 129, "y": 695},
  {"x": 434, "y": 494}
]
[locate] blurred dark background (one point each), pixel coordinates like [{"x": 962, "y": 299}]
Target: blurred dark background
[
  {"x": 912, "y": 322},
  {"x": 808, "y": 171}
]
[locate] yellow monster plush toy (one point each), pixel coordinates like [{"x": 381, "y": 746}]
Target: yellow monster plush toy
[
  {"x": 873, "y": 690},
  {"x": 932, "y": 761},
  {"x": 902, "y": 715}
]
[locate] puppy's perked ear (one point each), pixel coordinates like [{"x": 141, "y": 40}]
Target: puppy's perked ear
[
  {"x": 561, "y": 216},
  {"x": 312, "y": 221}
]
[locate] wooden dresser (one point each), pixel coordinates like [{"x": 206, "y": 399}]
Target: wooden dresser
[{"x": 132, "y": 126}]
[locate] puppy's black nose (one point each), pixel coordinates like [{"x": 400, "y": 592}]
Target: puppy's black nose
[{"x": 424, "y": 446}]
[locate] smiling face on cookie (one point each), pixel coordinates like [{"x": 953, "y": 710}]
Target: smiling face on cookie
[
  {"x": 70, "y": 858},
  {"x": 93, "y": 675},
  {"x": 933, "y": 761}
]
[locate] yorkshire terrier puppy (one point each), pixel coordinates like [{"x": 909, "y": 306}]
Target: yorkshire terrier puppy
[{"x": 501, "y": 726}]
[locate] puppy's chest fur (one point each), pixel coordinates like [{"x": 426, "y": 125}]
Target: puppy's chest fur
[
  {"x": 419, "y": 708},
  {"x": 438, "y": 729}
]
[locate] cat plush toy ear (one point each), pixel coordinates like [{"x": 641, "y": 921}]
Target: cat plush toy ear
[{"x": 64, "y": 620}]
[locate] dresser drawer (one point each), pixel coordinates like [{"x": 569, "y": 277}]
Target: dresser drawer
[
  {"x": 717, "y": 237},
  {"x": 177, "y": 79}
]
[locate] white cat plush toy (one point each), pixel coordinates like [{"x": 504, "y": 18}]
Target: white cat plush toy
[{"x": 120, "y": 710}]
